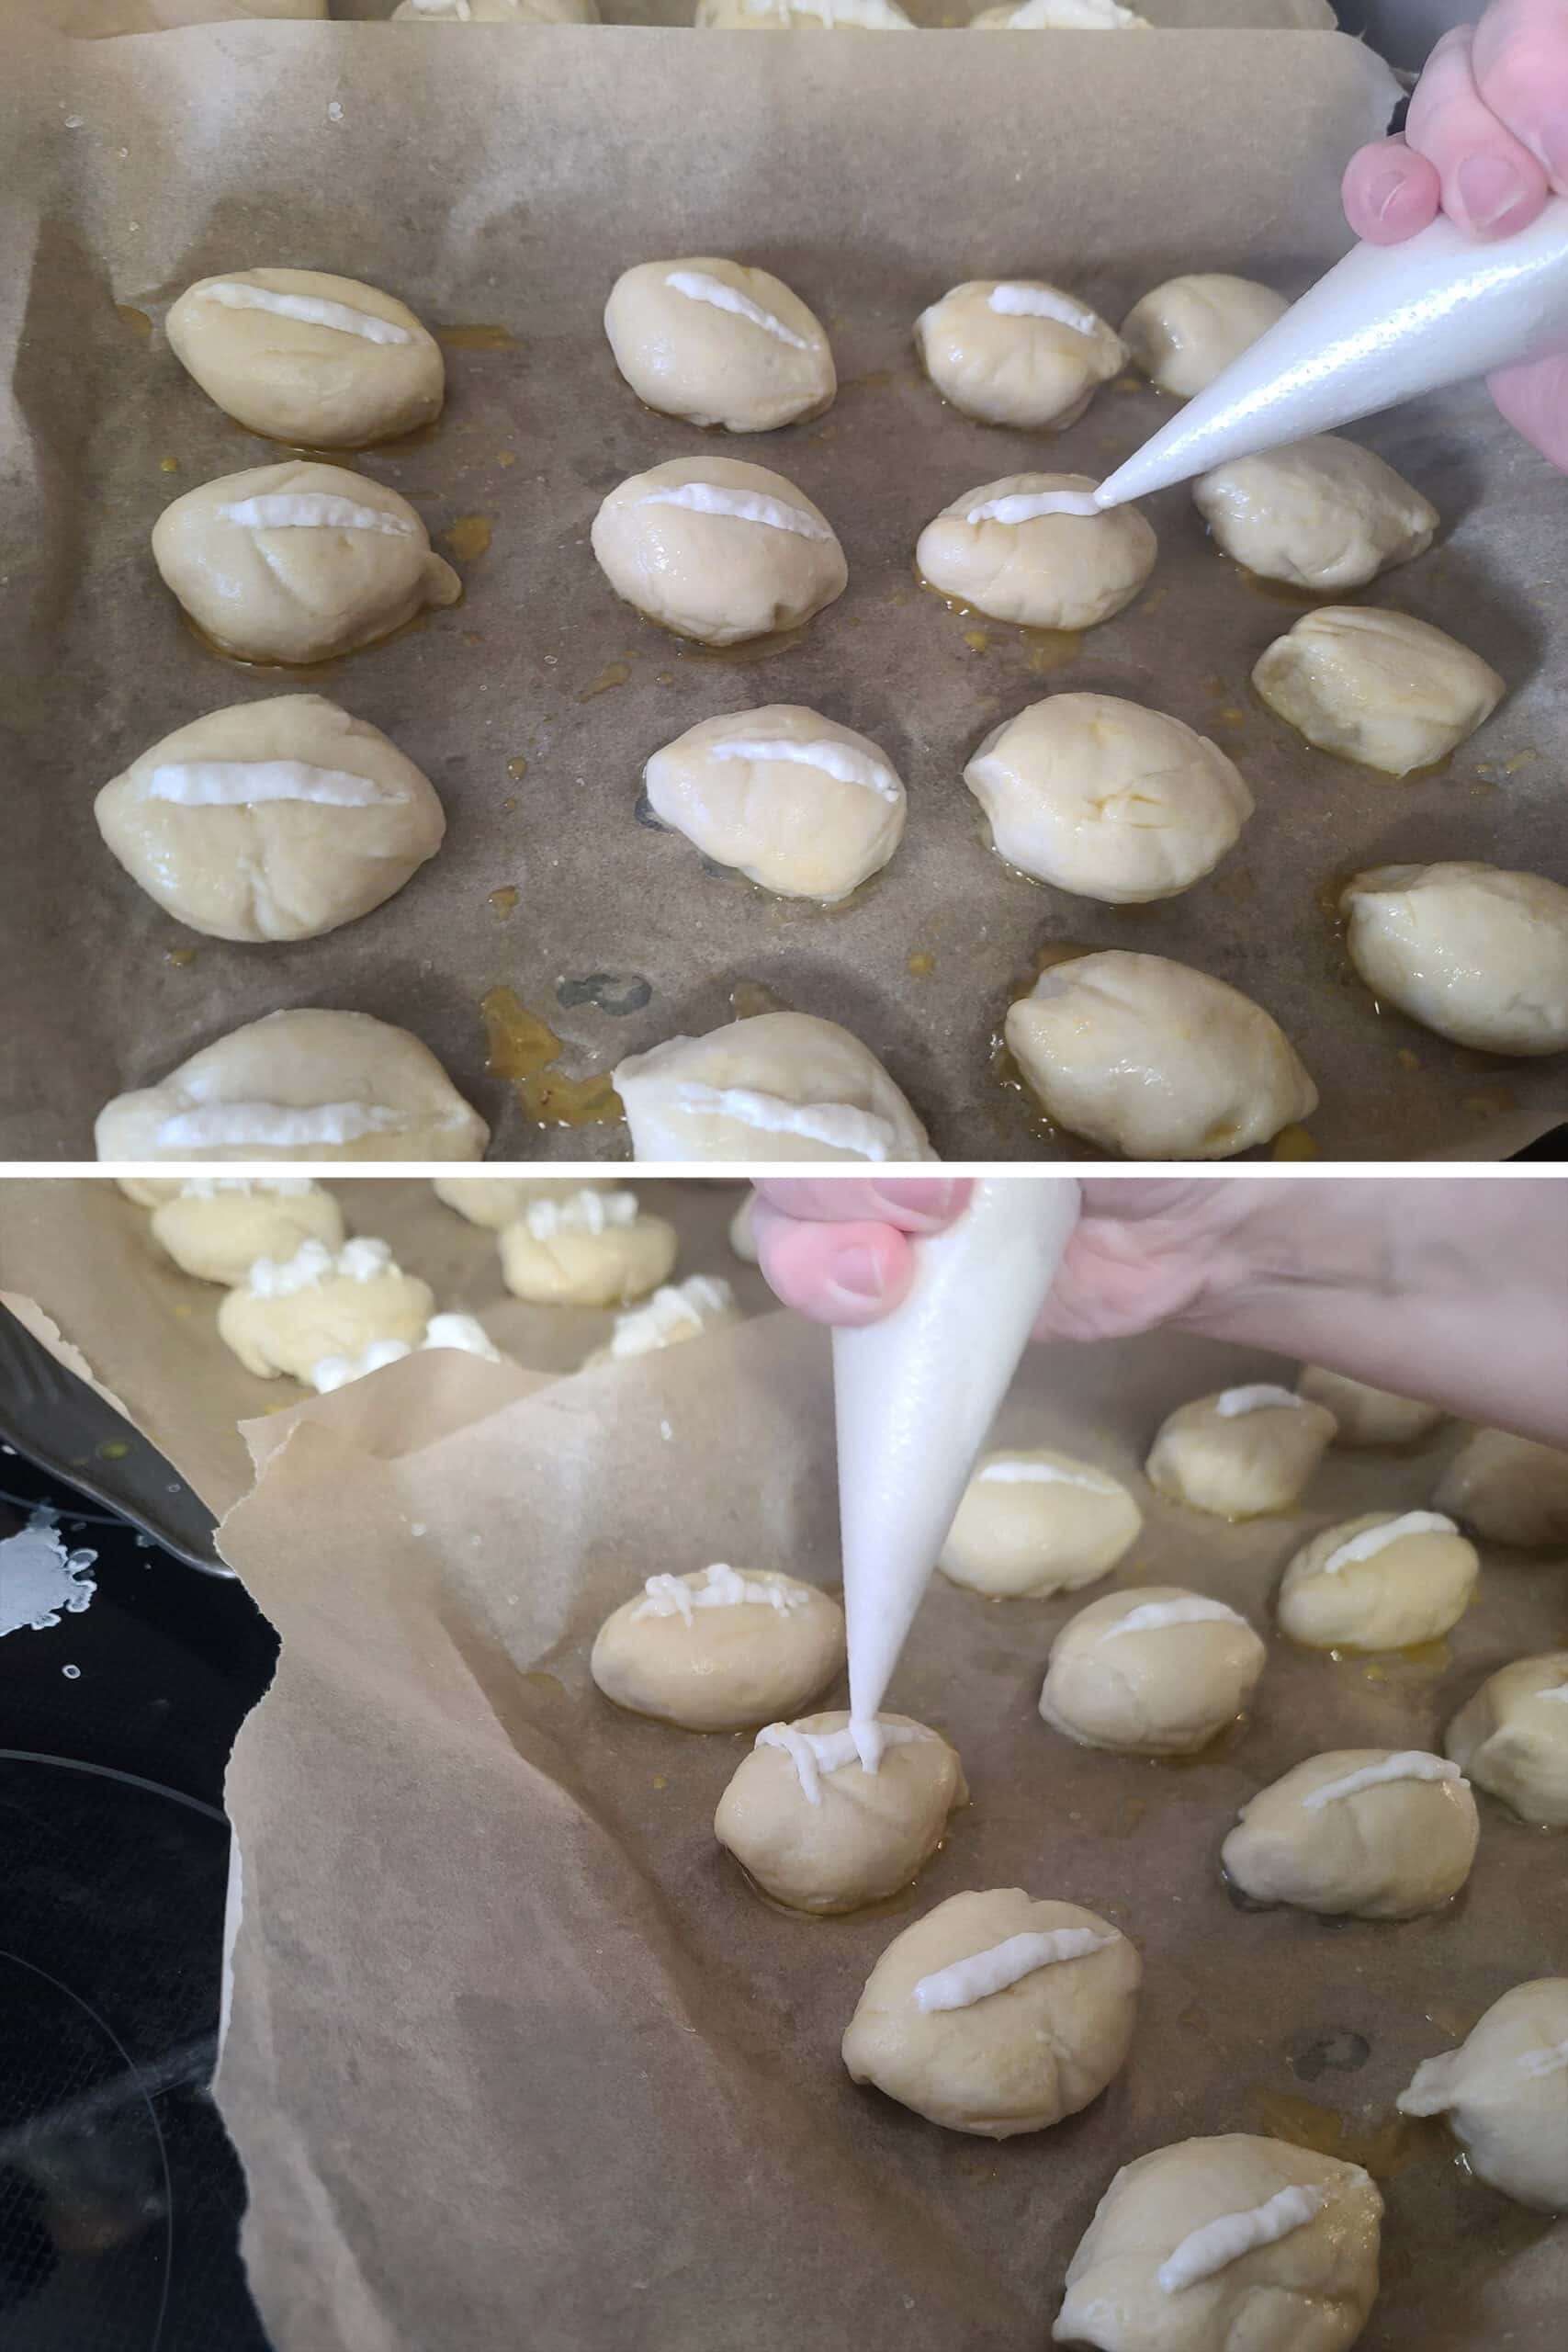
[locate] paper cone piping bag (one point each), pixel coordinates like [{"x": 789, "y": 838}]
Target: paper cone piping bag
[
  {"x": 916, "y": 1395},
  {"x": 1386, "y": 323}
]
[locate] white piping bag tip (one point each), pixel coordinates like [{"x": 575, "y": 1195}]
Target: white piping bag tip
[{"x": 916, "y": 1395}]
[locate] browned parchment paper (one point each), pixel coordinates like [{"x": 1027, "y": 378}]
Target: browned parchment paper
[
  {"x": 79, "y": 1266},
  {"x": 499, "y": 184},
  {"x": 516, "y": 2058}
]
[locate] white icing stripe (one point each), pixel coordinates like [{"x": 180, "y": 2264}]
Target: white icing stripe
[
  {"x": 1256, "y": 1399},
  {"x": 1549, "y": 2060},
  {"x": 1043, "y": 1474},
  {"x": 1027, "y": 506},
  {"x": 313, "y": 510},
  {"x": 1013, "y": 300},
  {"x": 722, "y": 1587},
  {"x": 1192, "y": 1609},
  {"x": 214, "y": 783},
  {"x": 1224, "y": 2240},
  {"x": 1374, "y": 1540},
  {"x": 453, "y": 11},
  {"x": 838, "y": 1125},
  {"x": 985, "y": 1972},
  {"x": 1559, "y": 1690},
  {"x": 585, "y": 1212},
  {"x": 872, "y": 15},
  {"x": 1409, "y": 1764},
  {"x": 359, "y": 1260},
  {"x": 461, "y": 1331},
  {"x": 1074, "y": 16},
  {"x": 208, "y": 1188},
  {"x": 815, "y": 1752},
  {"x": 698, "y": 286},
  {"x": 840, "y": 760},
  {"x": 739, "y": 506},
  {"x": 452, "y": 1331},
  {"x": 309, "y": 309},
  {"x": 677, "y": 1307},
  {"x": 270, "y": 1126}
]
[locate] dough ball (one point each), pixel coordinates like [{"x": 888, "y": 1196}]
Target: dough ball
[
  {"x": 798, "y": 803},
  {"x": 1367, "y": 1416},
  {"x": 801, "y": 16},
  {"x": 1505, "y": 2094},
  {"x": 149, "y": 1192},
  {"x": 1241, "y": 1453},
  {"x": 1032, "y": 1522},
  {"x": 298, "y": 562},
  {"x": 1156, "y": 1673},
  {"x": 724, "y": 1649},
  {"x": 996, "y": 2014},
  {"x": 1012, "y": 351},
  {"x": 1154, "y": 1060},
  {"x": 1322, "y": 514},
  {"x": 1235, "y": 2241},
  {"x": 1377, "y": 687},
  {"x": 1060, "y": 15},
  {"x": 716, "y": 343},
  {"x": 818, "y": 1832},
  {"x": 1188, "y": 330},
  {"x": 1035, "y": 548},
  {"x": 1386, "y": 1581},
  {"x": 217, "y": 1226},
  {"x": 297, "y": 356},
  {"x": 275, "y": 820},
  {"x": 594, "y": 1248},
  {"x": 496, "y": 12},
  {"x": 495, "y": 1201},
  {"x": 681, "y": 1311},
  {"x": 1379, "y": 1834},
  {"x": 780, "y": 1086},
  {"x": 301, "y": 1085},
  {"x": 462, "y": 1333},
  {"x": 287, "y": 1316},
  {"x": 1509, "y": 1489},
  {"x": 1476, "y": 953},
  {"x": 743, "y": 1231},
  {"x": 718, "y": 550},
  {"x": 1511, "y": 1738},
  {"x": 1106, "y": 799}
]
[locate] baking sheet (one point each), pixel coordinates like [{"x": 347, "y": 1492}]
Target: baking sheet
[
  {"x": 518, "y": 2059},
  {"x": 482, "y": 180}
]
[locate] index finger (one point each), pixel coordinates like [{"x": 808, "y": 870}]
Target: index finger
[{"x": 911, "y": 1203}]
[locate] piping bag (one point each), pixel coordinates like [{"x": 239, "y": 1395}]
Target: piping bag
[
  {"x": 1386, "y": 323},
  {"x": 915, "y": 1397}
]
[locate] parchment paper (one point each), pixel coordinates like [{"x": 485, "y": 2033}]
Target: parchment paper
[
  {"x": 516, "y": 2056},
  {"x": 100, "y": 19},
  {"x": 79, "y": 1267},
  {"x": 502, "y": 184}
]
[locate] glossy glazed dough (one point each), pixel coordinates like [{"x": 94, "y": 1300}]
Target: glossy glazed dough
[
  {"x": 780, "y": 1086},
  {"x": 801, "y": 16},
  {"x": 593, "y": 1248},
  {"x": 496, "y": 12},
  {"x": 273, "y": 820},
  {"x": 754, "y": 556},
  {"x": 1060, "y": 15},
  {"x": 495, "y": 1201},
  {"x": 1155, "y": 1672},
  {"x": 1476, "y": 953},
  {"x": 1414, "y": 1587},
  {"x": 868, "y": 1835},
  {"x": 285, "y": 1317},
  {"x": 1367, "y": 1416},
  {"x": 1511, "y": 1738},
  {"x": 1505, "y": 2094},
  {"x": 678, "y": 1312},
  {"x": 1006, "y": 551},
  {"x": 1308, "y": 2291},
  {"x": 717, "y": 343},
  {"x": 1019, "y": 2058},
  {"x": 1186, "y": 330},
  {"x": 711, "y": 1652},
  {"x": 301, "y": 1085},
  {"x": 1509, "y": 1489},
  {"x": 217, "y": 1226},
  {"x": 1377, "y": 687},
  {"x": 1015, "y": 364},
  {"x": 1237, "y": 1458},
  {"x": 1154, "y": 1060},
  {"x": 1032, "y": 1522},
  {"x": 1387, "y": 1851},
  {"x": 1322, "y": 514},
  {"x": 297, "y": 561},
  {"x": 1106, "y": 799},
  {"x": 301, "y": 356},
  {"x": 800, "y": 805}
]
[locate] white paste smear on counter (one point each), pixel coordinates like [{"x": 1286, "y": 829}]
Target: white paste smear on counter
[
  {"x": 965, "y": 1981},
  {"x": 1374, "y": 1540},
  {"x": 309, "y": 309},
  {"x": 1223, "y": 2241},
  {"x": 840, "y": 760},
  {"x": 698, "y": 286},
  {"x": 1410, "y": 1764},
  {"x": 838, "y": 1125},
  {"x": 739, "y": 506},
  {"x": 227, "y": 783},
  {"x": 815, "y": 1752},
  {"x": 725, "y": 1587},
  {"x": 313, "y": 510}
]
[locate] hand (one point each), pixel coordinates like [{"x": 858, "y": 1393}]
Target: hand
[{"x": 1486, "y": 141}]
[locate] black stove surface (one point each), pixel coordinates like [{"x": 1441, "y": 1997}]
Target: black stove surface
[{"x": 120, "y": 2193}]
